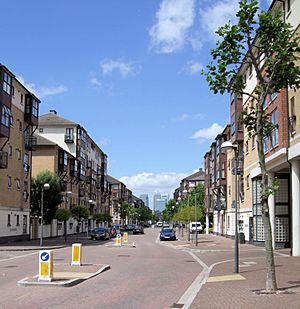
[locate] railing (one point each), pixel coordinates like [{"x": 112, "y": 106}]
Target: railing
[
  {"x": 69, "y": 138},
  {"x": 30, "y": 143}
]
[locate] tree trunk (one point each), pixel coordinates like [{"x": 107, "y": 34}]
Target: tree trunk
[
  {"x": 271, "y": 284},
  {"x": 65, "y": 228}
]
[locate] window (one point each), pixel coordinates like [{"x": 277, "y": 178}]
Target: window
[
  {"x": 8, "y": 220},
  {"x": 18, "y": 183},
  {"x": 18, "y": 220},
  {"x": 26, "y": 163},
  {"x": 7, "y": 83},
  {"x": 253, "y": 142},
  {"x": 19, "y": 154},
  {"x": 246, "y": 146},
  {"x": 293, "y": 117},
  {"x": 232, "y": 124},
  {"x": 248, "y": 181},
  {"x": 20, "y": 126},
  {"x": 65, "y": 159},
  {"x": 9, "y": 181},
  {"x": 41, "y": 130},
  {"x": 274, "y": 133},
  {"x": 35, "y": 108},
  {"x": 223, "y": 170},
  {"x": 266, "y": 147},
  {"x": 6, "y": 117},
  {"x": 21, "y": 99},
  {"x": 69, "y": 132},
  {"x": 273, "y": 96}
]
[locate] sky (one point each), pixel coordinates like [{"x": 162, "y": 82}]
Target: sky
[{"x": 129, "y": 71}]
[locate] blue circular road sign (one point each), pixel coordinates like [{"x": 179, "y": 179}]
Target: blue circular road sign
[{"x": 45, "y": 256}]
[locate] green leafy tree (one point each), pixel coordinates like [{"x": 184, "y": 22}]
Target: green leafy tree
[
  {"x": 63, "y": 215},
  {"x": 80, "y": 213},
  {"x": 52, "y": 197},
  {"x": 272, "y": 54},
  {"x": 169, "y": 211}
]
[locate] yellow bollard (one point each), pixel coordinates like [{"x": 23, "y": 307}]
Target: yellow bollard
[
  {"x": 119, "y": 240},
  {"x": 76, "y": 254},
  {"x": 45, "y": 265},
  {"x": 125, "y": 237}
]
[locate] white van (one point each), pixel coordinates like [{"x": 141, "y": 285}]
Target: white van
[{"x": 193, "y": 228}]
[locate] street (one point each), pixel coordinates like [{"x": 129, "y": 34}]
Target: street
[{"x": 148, "y": 276}]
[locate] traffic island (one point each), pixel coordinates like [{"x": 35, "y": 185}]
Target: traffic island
[{"x": 66, "y": 275}]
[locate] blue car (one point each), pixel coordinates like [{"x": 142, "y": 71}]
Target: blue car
[{"x": 167, "y": 234}]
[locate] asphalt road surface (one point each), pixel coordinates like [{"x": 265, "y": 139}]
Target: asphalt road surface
[{"x": 152, "y": 275}]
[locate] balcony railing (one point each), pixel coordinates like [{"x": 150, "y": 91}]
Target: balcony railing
[
  {"x": 69, "y": 138},
  {"x": 31, "y": 143},
  {"x": 3, "y": 159}
]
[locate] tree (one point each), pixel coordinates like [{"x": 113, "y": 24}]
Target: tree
[
  {"x": 273, "y": 54},
  {"x": 80, "y": 213},
  {"x": 169, "y": 211},
  {"x": 52, "y": 196},
  {"x": 63, "y": 215}
]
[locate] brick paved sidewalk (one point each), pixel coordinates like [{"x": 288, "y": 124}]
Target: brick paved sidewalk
[{"x": 226, "y": 290}]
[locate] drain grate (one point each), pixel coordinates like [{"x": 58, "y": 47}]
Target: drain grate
[
  {"x": 189, "y": 261},
  {"x": 123, "y": 255},
  {"x": 10, "y": 266},
  {"x": 177, "y": 306}
]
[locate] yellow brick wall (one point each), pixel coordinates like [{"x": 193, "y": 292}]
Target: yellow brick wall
[{"x": 13, "y": 197}]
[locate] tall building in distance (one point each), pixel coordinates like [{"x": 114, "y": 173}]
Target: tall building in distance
[
  {"x": 145, "y": 199},
  {"x": 160, "y": 201}
]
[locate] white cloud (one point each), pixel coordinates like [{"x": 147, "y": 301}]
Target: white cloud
[
  {"x": 125, "y": 68},
  {"x": 153, "y": 183},
  {"x": 218, "y": 14},
  {"x": 193, "y": 68},
  {"x": 207, "y": 133},
  {"x": 186, "y": 116},
  {"x": 173, "y": 20},
  {"x": 44, "y": 91},
  {"x": 94, "y": 81}
]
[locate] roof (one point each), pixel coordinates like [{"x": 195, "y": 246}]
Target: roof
[
  {"x": 42, "y": 141},
  {"x": 196, "y": 176},
  {"x": 113, "y": 180},
  {"x": 52, "y": 119}
]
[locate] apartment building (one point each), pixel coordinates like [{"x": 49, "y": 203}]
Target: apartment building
[
  {"x": 282, "y": 153},
  {"x": 79, "y": 155},
  {"x": 19, "y": 119}
]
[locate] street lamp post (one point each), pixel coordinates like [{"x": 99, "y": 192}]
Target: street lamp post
[
  {"x": 179, "y": 202},
  {"x": 185, "y": 191},
  {"x": 229, "y": 146},
  {"x": 45, "y": 186},
  {"x": 87, "y": 230},
  {"x": 192, "y": 185}
]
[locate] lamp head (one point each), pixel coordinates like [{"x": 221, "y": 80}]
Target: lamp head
[{"x": 46, "y": 186}]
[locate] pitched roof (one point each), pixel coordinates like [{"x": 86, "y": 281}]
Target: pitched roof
[
  {"x": 113, "y": 180},
  {"x": 196, "y": 176},
  {"x": 42, "y": 141},
  {"x": 52, "y": 119}
]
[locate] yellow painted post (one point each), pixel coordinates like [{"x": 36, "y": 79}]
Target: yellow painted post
[
  {"x": 125, "y": 237},
  {"x": 76, "y": 254},
  {"x": 119, "y": 240},
  {"x": 45, "y": 265}
]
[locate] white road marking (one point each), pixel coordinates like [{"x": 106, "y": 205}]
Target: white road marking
[{"x": 18, "y": 257}]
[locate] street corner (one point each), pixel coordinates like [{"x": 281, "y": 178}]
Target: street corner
[{"x": 66, "y": 275}]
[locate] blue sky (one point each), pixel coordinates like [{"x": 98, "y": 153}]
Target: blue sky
[{"x": 129, "y": 72}]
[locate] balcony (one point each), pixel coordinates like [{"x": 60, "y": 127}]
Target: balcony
[
  {"x": 31, "y": 110},
  {"x": 31, "y": 143},
  {"x": 3, "y": 159},
  {"x": 81, "y": 192},
  {"x": 69, "y": 138}
]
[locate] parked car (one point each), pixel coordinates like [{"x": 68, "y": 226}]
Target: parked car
[
  {"x": 159, "y": 224},
  {"x": 193, "y": 228},
  {"x": 167, "y": 234},
  {"x": 129, "y": 228},
  {"x": 138, "y": 229},
  {"x": 100, "y": 233}
]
